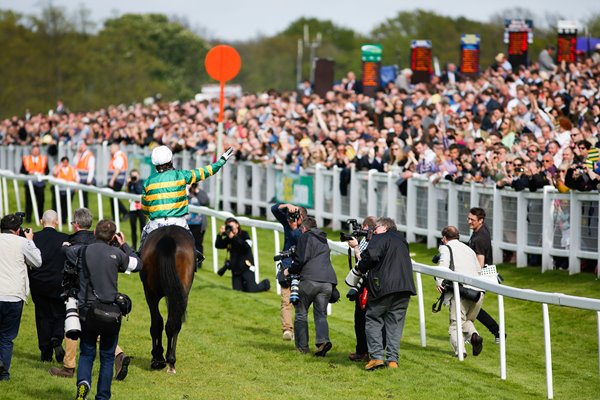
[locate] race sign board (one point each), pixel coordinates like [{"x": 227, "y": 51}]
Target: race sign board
[
  {"x": 421, "y": 60},
  {"x": 469, "y": 54}
]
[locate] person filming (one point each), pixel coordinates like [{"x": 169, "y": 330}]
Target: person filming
[{"x": 240, "y": 260}]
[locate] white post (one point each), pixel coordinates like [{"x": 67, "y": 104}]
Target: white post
[
  {"x": 100, "y": 207},
  {"x": 255, "y": 253},
  {"x": 575, "y": 232},
  {"x": 58, "y": 207},
  {"x": 256, "y": 186},
  {"x": 5, "y": 193},
  {"x": 117, "y": 218},
  {"x": 372, "y": 196},
  {"x": 241, "y": 183},
  {"x": 213, "y": 225},
  {"x": 521, "y": 229},
  {"x": 502, "y": 337},
  {"x": 460, "y": 340},
  {"x": 548, "y": 351},
  {"x": 218, "y": 177},
  {"x": 432, "y": 215},
  {"x": 17, "y": 194},
  {"x": 337, "y": 200},
  {"x": 547, "y": 229},
  {"x": 498, "y": 227},
  {"x": 69, "y": 210},
  {"x": 353, "y": 189},
  {"x": 80, "y": 198},
  {"x": 270, "y": 189},
  {"x": 421, "y": 310},
  {"x": 411, "y": 210},
  {"x": 452, "y": 205},
  {"x": 319, "y": 194},
  {"x": 277, "y": 248},
  {"x": 1, "y": 201},
  {"x": 392, "y": 194},
  {"x": 34, "y": 203}
]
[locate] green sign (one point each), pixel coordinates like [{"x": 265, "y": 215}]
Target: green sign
[
  {"x": 371, "y": 52},
  {"x": 294, "y": 189}
]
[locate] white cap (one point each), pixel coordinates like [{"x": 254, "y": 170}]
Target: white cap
[{"x": 161, "y": 155}]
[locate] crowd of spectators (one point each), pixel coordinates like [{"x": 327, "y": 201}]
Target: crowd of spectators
[{"x": 512, "y": 127}]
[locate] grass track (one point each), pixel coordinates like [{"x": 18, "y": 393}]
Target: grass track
[{"x": 231, "y": 348}]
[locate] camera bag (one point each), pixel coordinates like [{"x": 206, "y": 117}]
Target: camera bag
[{"x": 465, "y": 293}]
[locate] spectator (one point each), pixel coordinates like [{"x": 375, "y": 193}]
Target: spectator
[
  {"x": 196, "y": 221},
  {"x": 68, "y": 173},
  {"x": 136, "y": 216},
  {"x": 35, "y": 164},
  {"x": 546, "y": 59}
]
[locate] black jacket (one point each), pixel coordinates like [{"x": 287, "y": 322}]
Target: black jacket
[
  {"x": 103, "y": 263},
  {"x": 240, "y": 251},
  {"x": 388, "y": 262},
  {"x": 312, "y": 260},
  {"x": 46, "y": 280}
]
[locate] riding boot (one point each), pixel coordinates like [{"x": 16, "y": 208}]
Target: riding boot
[{"x": 199, "y": 259}]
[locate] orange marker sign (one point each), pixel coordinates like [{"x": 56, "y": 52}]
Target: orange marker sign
[{"x": 222, "y": 63}]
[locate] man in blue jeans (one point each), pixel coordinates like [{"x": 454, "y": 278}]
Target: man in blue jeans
[
  {"x": 98, "y": 281},
  {"x": 17, "y": 254}
]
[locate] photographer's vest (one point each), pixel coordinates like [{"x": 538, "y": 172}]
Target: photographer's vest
[
  {"x": 83, "y": 165},
  {"x": 36, "y": 165},
  {"x": 165, "y": 193},
  {"x": 111, "y": 166}
]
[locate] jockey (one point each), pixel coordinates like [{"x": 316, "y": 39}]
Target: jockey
[{"x": 164, "y": 198}]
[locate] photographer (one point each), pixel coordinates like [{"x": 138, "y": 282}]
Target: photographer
[
  {"x": 458, "y": 257},
  {"x": 98, "y": 283},
  {"x": 135, "y": 186},
  {"x": 390, "y": 284},
  {"x": 240, "y": 260},
  {"x": 361, "y": 352},
  {"x": 317, "y": 279},
  {"x": 17, "y": 254},
  {"x": 290, "y": 217}
]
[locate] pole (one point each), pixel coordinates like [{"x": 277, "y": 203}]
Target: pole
[
  {"x": 220, "y": 142},
  {"x": 548, "y": 351},
  {"x": 299, "y": 63}
]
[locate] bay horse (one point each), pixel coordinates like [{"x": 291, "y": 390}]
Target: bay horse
[{"x": 169, "y": 260}]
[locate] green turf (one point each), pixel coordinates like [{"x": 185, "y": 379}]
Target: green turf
[{"x": 230, "y": 348}]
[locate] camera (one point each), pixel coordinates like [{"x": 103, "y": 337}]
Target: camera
[
  {"x": 293, "y": 216},
  {"x": 72, "y": 323},
  {"x": 436, "y": 259},
  {"x": 285, "y": 254},
  {"x": 228, "y": 229},
  {"x": 224, "y": 268},
  {"x": 520, "y": 169},
  {"x": 134, "y": 178},
  {"x": 20, "y": 215},
  {"x": 357, "y": 232}
]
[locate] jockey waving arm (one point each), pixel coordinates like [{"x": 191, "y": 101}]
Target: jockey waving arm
[{"x": 164, "y": 198}]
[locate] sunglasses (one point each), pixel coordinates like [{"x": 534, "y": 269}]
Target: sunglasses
[{"x": 533, "y": 150}]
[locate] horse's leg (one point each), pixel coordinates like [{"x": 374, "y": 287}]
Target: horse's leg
[
  {"x": 156, "y": 330},
  {"x": 172, "y": 330}
]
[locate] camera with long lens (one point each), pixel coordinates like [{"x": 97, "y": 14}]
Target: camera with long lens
[
  {"x": 292, "y": 280},
  {"x": 355, "y": 280},
  {"x": 224, "y": 268},
  {"x": 228, "y": 229},
  {"x": 72, "y": 323},
  {"x": 357, "y": 232}
]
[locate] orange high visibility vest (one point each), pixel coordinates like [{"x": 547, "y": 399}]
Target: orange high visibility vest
[
  {"x": 82, "y": 164},
  {"x": 32, "y": 166},
  {"x": 68, "y": 173}
]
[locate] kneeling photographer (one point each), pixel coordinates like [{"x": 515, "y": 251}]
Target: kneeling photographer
[
  {"x": 317, "y": 282},
  {"x": 459, "y": 257},
  {"x": 240, "y": 260},
  {"x": 98, "y": 298}
]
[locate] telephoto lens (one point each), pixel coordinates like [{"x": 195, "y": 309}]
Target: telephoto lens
[
  {"x": 294, "y": 295},
  {"x": 72, "y": 323}
]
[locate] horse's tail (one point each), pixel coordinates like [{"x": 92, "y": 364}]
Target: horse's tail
[{"x": 170, "y": 283}]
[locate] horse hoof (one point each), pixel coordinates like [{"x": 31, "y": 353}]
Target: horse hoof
[
  {"x": 171, "y": 369},
  {"x": 156, "y": 364}
]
